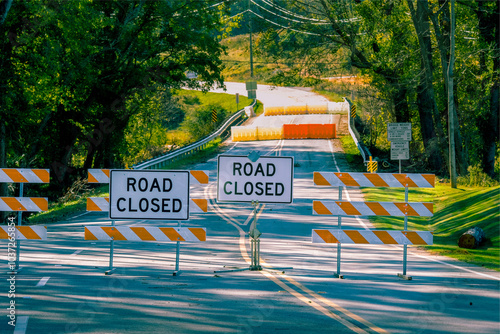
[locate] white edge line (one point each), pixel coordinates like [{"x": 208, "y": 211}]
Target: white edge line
[
  {"x": 457, "y": 267},
  {"x": 43, "y": 281},
  {"x": 21, "y": 324}
]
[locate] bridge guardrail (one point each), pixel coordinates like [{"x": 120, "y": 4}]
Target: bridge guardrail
[{"x": 162, "y": 161}]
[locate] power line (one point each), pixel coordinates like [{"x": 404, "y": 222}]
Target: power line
[
  {"x": 286, "y": 18},
  {"x": 288, "y": 28},
  {"x": 291, "y": 13}
]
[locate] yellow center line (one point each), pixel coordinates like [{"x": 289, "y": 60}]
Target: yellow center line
[{"x": 296, "y": 294}]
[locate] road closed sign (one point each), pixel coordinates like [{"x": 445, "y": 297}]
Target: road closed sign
[
  {"x": 267, "y": 180},
  {"x": 138, "y": 194}
]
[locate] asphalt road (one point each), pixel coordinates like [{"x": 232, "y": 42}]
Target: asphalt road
[{"x": 62, "y": 287}]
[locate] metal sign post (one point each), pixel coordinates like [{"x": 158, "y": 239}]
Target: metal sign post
[
  {"x": 405, "y": 247},
  {"x": 111, "y": 253},
  {"x": 19, "y": 223},
  {"x": 256, "y": 180},
  {"x": 339, "y": 245}
]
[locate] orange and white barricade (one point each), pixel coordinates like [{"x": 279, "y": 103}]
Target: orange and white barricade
[
  {"x": 342, "y": 208},
  {"x": 399, "y": 209},
  {"x": 23, "y": 204},
  {"x": 102, "y": 176},
  {"x": 374, "y": 237},
  {"x": 23, "y": 232},
  {"x": 148, "y": 233}
]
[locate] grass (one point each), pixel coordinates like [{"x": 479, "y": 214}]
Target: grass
[
  {"x": 455, "y": 211},
  {"x": 352, "y": 154},
  {"x": 225, "y": 101},
  {"x": 58, "y": 211}
]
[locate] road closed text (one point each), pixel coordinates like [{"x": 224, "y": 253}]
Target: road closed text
[
  {"x": 149, "y": 195},
  {"x": 268, "y": 180}
]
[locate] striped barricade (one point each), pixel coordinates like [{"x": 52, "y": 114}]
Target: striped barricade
[
  {"x": 23, "y": 232},
  {"x": 29, "y": 204},
  {"x": 102, "y": 176},
  {"x": 372, "y": 237},
  {"x": 196, "y": 205},
  {"x": 24, "y": 175},
  {"x": 148, "y": 233},
  {"x": 341, "y": 179},
  {"x": 399, "y": 209}
]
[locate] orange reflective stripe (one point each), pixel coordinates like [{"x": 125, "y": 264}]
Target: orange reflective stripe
[
  {"x": 41, "y": 203},
  {"x": 28, "y": 232},
  {"x": 320, "y": 208},
  {"x": 414, "y": 238},
  {"x": 91, "y": 206},
  {"x": 327, "y": 236},
  {"x": 3, "y": 234},
  {"x": 13, "y": 203},
  {"x": 43, "y": 174},
  {"x": 106, "y": 171},
  {"x": 14, "y": 175},
  {"x": 202, "y": 203},
  {"x": 385, "y": 237},
  {"x": 172, "y": 234},
  {"x": 429, "y": 206},
  {"x": 376, "y": 180},
  {"x": 431, "y": 178},
  {"x": 405, "y": 180},
  {"x": 89, "y": 235},
  {"x": 407, "y": 209},
  {"x": 142, "y": 233},
  {"x": 199, "y": 175},
  {"x": 199, "y": 233},
  {"x": 377, "y": 208},
  {"x": 348, "y": 208},
  {"x": 320, "y": 180},
  {"x": 113, "y": 233},
  {"x": 356, "y": 237},
  {"x": 347, "y": 179}
]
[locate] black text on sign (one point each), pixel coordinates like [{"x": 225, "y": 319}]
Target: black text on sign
[{"x": 160, "y": 195}]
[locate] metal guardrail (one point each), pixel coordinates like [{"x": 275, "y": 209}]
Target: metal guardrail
[
  {"x": 162, "y": 161},
  {"x": 365, "y": 152}
]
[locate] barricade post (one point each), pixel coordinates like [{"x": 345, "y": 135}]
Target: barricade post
[
  {"x": 21, "y": 204},
  {"x": 402, "y": 209}
]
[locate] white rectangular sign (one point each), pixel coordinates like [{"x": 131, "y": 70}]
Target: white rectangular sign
[
  {"x": 398, "y": 131},
  {"x": 152, "y": 194},
  {"x": 267, "y": 180},
  {"x": 400, "y": 150}
]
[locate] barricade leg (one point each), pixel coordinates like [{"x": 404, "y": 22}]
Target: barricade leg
[
  {"x": 339, "y": 245},
  {"x": 405, "y": 247},
  {"x": 177, "y": 272},
  {"x": 111, "y": 254}
]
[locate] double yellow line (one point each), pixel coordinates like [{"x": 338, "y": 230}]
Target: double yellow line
[{"x": 352, "y": 321}]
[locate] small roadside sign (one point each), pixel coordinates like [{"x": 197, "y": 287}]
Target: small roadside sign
[
  {"x": 138, "y": 194},
  {"x": 267, "y": 180},
  {"x": 399, "y": 132},
  {"x": 400, "y": 150}
]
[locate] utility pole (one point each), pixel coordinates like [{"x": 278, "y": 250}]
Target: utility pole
[
  {"x": 251, "y": 45},
  {"x": 451, "y": 102}
]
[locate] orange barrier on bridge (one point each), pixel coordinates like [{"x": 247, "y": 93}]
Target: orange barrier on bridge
[
  {"x": 309, "y": 131},
  {"x": 272, "y": 111}
]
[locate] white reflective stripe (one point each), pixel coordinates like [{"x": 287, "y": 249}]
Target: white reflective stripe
[
  {"x": 98, "y": 232},
  {"x": 157, "y": 233},
  {"x": 391, "y": 209},
  {"x": 25, "y": 204},
  {"x": 128, "y": 233},
  {"x": 40, "y": 231},
  {"x": 400, "y": 238},
  {"x": 30, "y": 175},
  {"x": 99, "y": 175},
  {"x": 371, "y": 237},
  {"x": 421, "y": 209},
  {"x": 420, "y": 180},
  {"x": 101, "y": 202},
  {"x": 187, "y": 234},
  {"x": 427, "y": 237}
]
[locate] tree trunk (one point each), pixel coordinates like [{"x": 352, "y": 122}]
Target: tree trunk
[{"x": 472, "y": 238}]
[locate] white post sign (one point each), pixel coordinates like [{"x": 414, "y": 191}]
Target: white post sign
[
  {"x": 399, "y": 132},
  {"x": 139, "y": 194},
  {"x": 400, "y": 150},
  {"x": 267, "y": 180}
]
